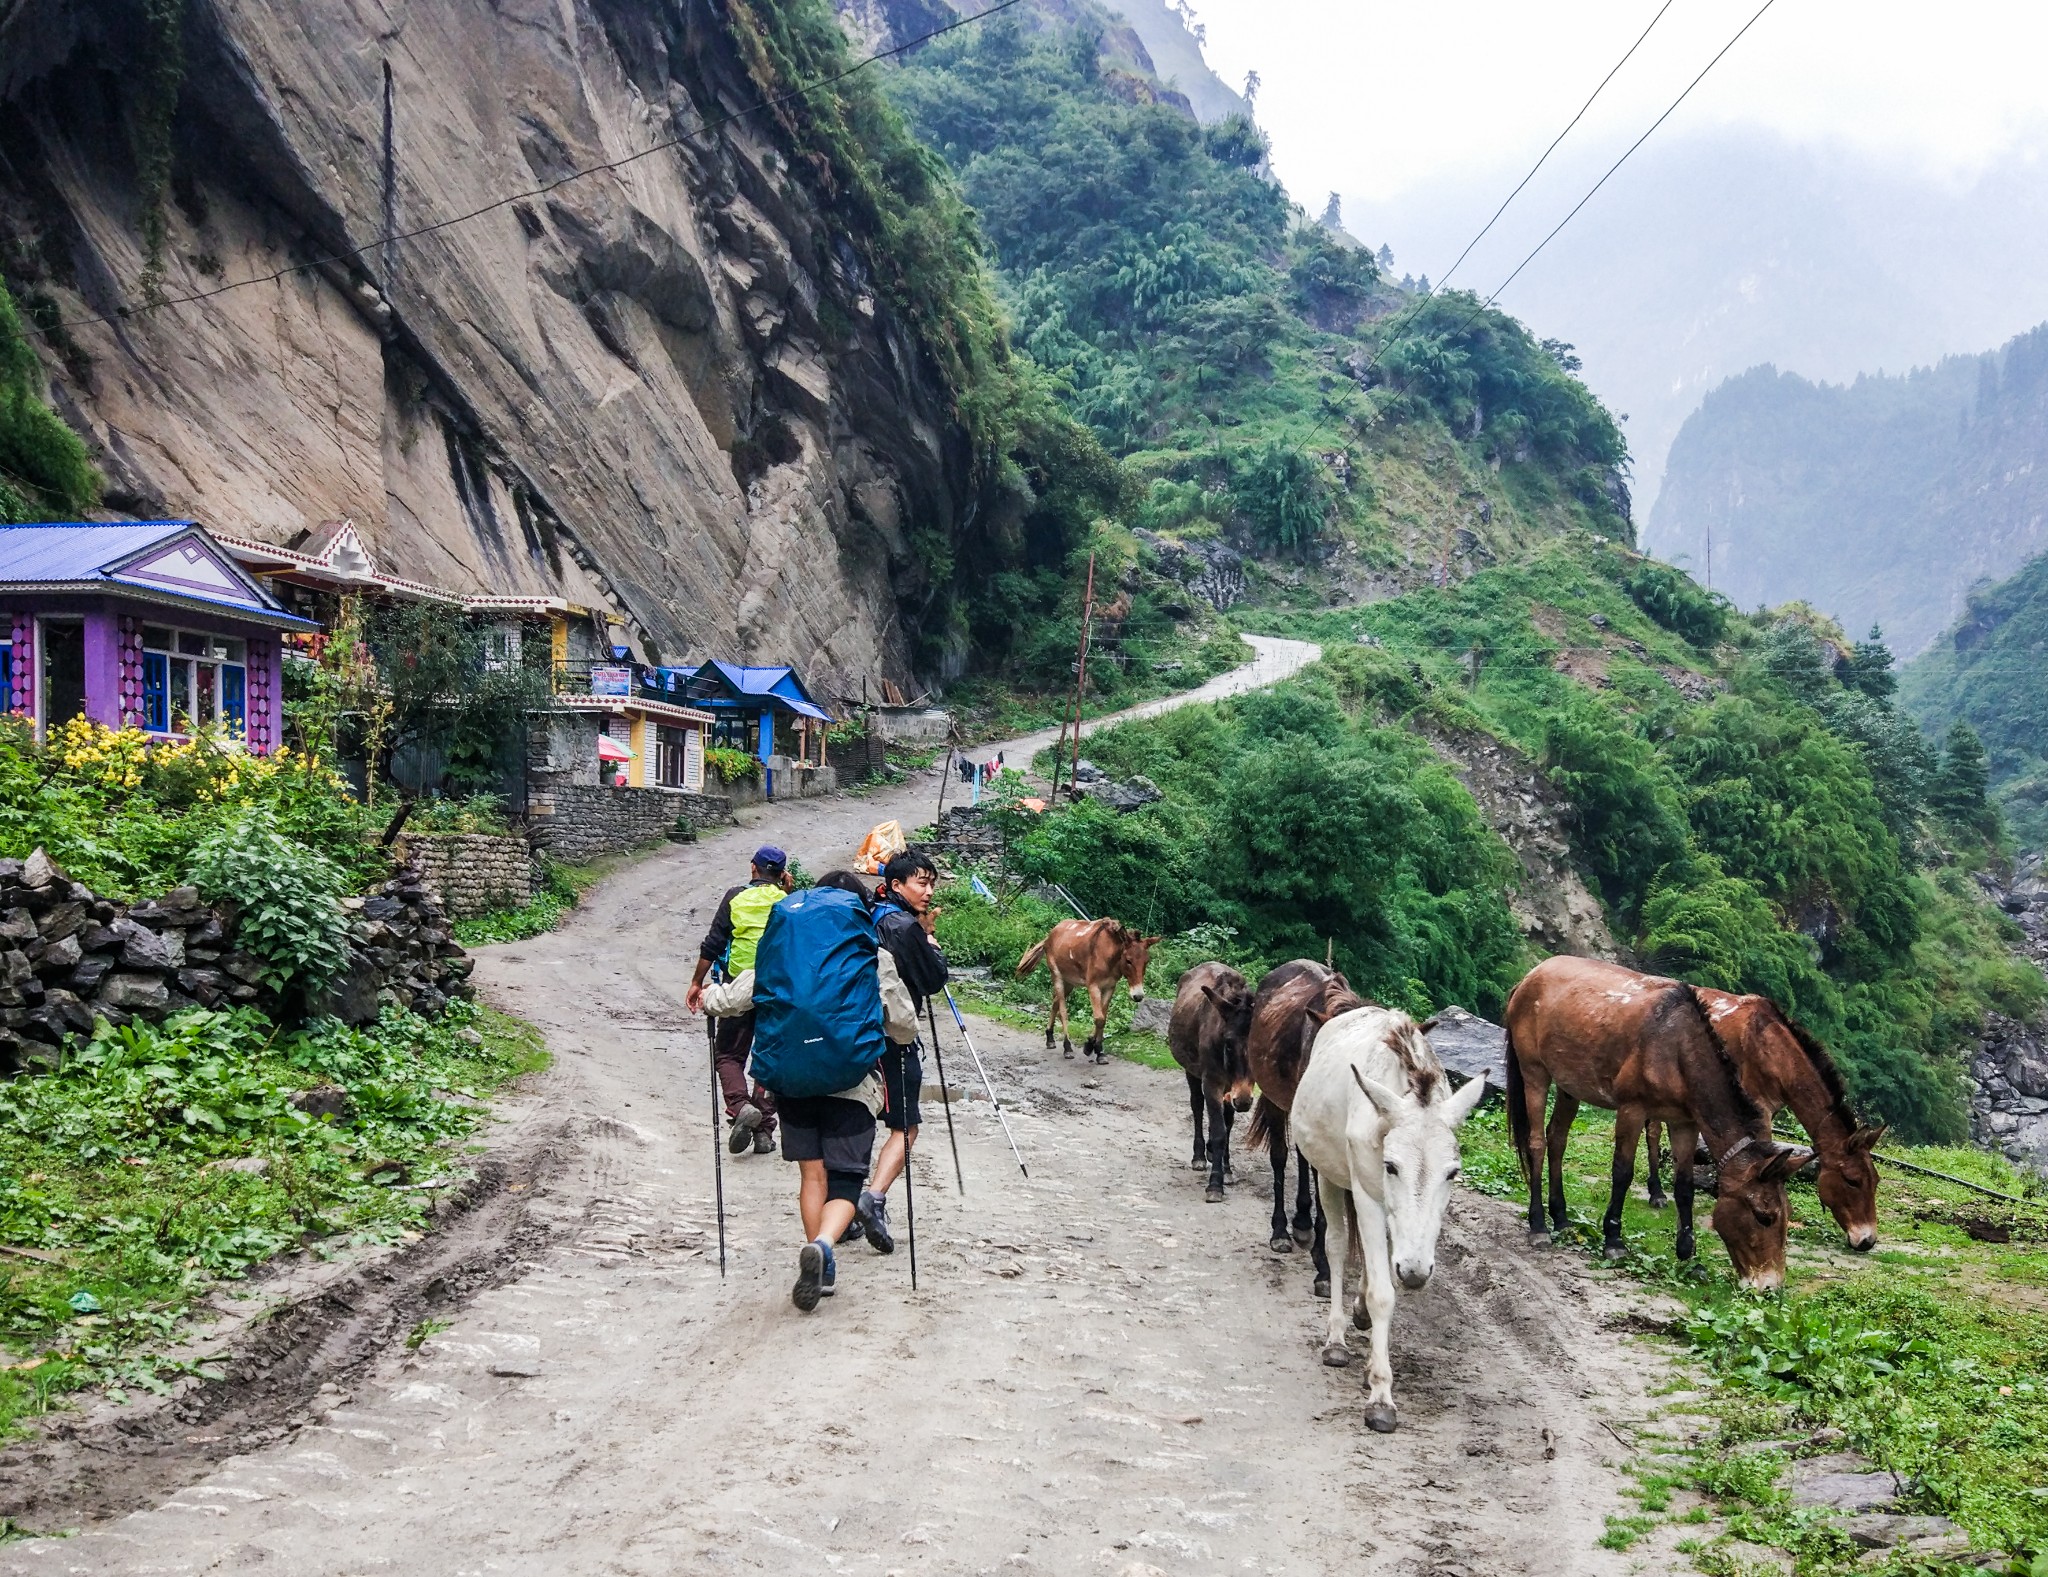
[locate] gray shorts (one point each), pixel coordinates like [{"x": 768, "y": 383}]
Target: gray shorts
[{"x": 827, "y": 1128}]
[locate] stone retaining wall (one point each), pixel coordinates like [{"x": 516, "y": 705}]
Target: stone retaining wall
[
  {"x": 69, "y": 957},
  {"x": 2009, "y": 1069},
  {"x": 578, "y": 823},
  {"x": 473, "y": 873}
]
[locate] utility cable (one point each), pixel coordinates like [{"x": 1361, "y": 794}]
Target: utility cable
[
  {"x": 803, "y": 91},
  {"x": 1444, "y": 279}
]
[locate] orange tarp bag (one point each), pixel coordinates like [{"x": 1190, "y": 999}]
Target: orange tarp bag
[{"x": 882, "y": 844}]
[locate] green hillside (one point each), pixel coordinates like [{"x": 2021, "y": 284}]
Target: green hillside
[{"x": 1991, "y": 673}]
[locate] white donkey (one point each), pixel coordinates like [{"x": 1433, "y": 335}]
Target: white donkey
[{"x": 1378, "y": 1120}]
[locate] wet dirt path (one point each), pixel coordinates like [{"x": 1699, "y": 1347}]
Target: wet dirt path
[{"x": 1100, "y": 1373}]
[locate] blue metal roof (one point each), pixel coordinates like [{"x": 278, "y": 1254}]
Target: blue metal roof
[
  {"x": 777, "y": 685},
  {"x": 79, "y": 553}
]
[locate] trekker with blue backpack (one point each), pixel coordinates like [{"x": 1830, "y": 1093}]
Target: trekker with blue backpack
[
  {"x": 820, "y": 1033},
  {"x": 904, "y": 918}
]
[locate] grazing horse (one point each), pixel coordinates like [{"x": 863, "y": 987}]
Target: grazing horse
[
  {"x": 1095, "y": 954},
  {"x": 1378, "y": 1120},
  {"x": 1291, "y": 1005},
  {"x": 1781, "y": 1065},
  {"x": 1212, "y": 1014},
  {"x": 1641, "y": 1046}
]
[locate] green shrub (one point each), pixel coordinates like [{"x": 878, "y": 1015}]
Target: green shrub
[
  {"x": 732, "y": 766},
  {"x": 286, "y": 899}
]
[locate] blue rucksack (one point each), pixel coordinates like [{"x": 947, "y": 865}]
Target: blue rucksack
[{"x": 817, "y": 995}]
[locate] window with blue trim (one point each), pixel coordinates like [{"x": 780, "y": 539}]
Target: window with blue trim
[{"x": 193, "y": 680}]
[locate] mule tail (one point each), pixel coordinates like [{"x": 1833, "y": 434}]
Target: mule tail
[
  {"x": 1030, "y": 960},
  {"x": 1518, "y": 1107},
  {"x": 1267, "y": 1119}
]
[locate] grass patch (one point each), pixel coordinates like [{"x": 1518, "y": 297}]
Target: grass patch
[
  {"x": 562, "y": 887},
  {"x": 159, "y": 1161},
  {"x": 1929, "y": 1357}
]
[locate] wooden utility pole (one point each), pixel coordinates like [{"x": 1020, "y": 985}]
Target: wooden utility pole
[{"x": 1081, "y": 668}]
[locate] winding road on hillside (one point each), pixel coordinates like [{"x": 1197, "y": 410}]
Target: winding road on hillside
[{"x": 1099, "y": 1374}]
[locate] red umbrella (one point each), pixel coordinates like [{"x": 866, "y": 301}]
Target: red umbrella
[{"x": 609, "y": 749}]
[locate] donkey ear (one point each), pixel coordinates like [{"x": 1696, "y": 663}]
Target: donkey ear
[
  {"x": 1464, "y": 1100},
  {"x": 1319, "y": 1016},
  {"x": 1149, "y": 940},
  {"x": 1385, "y": 1099},
  {"x": 1867, "y": 1138},
  {"x": 1210, "y": 993},
  {"x": 1787, "y": 1159},
  {"x": 1429, "y": 1024}
]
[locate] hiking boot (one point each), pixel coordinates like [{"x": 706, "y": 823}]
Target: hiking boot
[
  {"x": 744, "y": 1121},
  {"x": 854, "y": 1231},
  {"x": 810, "y": 1277},
  {"x": 830, "y": 1284},
  {"x": 871, "y": 1211},
  {"x": 764, "y": 1142}
]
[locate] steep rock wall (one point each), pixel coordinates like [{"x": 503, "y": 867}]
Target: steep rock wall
[{"x": 666, "y": 389}]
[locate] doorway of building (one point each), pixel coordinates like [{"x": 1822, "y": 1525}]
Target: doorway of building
[{"x": 63, "y": 671}]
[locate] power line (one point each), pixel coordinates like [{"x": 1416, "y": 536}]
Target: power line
[
  {"x": 1445, "y": 278},
  {"x": 542, "y": 190},
  {"x": 1395, "y": 334}
]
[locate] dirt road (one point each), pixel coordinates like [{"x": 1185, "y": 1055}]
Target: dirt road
[{"x": 1101, "y": 1373}]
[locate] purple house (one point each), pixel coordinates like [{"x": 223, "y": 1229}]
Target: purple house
[{"x": 139, "y": 624}]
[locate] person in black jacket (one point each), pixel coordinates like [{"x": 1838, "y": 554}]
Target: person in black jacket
[{"x": 904, "y": 917}]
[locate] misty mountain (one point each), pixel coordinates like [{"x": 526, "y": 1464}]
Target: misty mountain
[
  {"x": 1712, "y": 252},
  {"x": 1882, "y": 501},
  {"x": 1177, "y": 59}
]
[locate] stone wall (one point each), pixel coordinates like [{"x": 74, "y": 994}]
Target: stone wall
[
  {"x": 69, "y": 957},
  {"x": 577, "y": 823},
  {"x": 472, "y": 873},
  {"x": 2009, "y": 1070}
]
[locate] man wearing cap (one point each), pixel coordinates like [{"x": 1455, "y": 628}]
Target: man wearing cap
[{"x": 729, "y": 947}]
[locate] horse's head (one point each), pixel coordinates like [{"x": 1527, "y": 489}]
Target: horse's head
[
  {"x": 1420, "y": 1161},
  {"x": 1231, "y": 997},
  {"x": 1137, "y": 953},
  {"x": 1751, "y": 1214},
  {"x": 1847, "y": 1183}
]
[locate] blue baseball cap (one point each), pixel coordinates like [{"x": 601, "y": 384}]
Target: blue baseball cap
[{"x": 770, "y": 858}]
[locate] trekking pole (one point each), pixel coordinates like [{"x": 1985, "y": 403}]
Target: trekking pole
[
  {"x": 910, "y": 1208},
  {"x": 945, "y": 1095},
  {"x": 717, "y": 1149},
  {"x": 990, "y": 1088}
]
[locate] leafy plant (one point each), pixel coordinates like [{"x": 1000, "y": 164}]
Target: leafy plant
[
  {"x": 732, "y": 766},
  {"x": 286, "y": 898},
  {"x": 44, "y": 467}
]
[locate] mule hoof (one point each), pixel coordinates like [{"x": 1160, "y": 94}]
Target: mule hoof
[
  {"x": 1214, "y": 1196},
  {"x": 1685, "y": 1248},
  {"x": 1322, "y": 1287},
  {"x": 1337, "y": 1356},
  {"x": 1539, "y": 1238},
  {"x": 1068, "y": 1053},
  {"x": 1361, "y": 1316},
  {"x": 1380, "y": 1418},
  {"x": 1658, "y": 1201},
  {"x": 1304, "y": 1235},
  {"x": 1282, "y": 1244},
  {"x": 1199, "y": 1164},
  {"x": 1614, "y": 1248}
]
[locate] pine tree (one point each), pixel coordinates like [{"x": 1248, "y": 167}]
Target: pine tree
[
  {"x": 1963, "y": 784},
  {"x": 1868, "y": 667}
]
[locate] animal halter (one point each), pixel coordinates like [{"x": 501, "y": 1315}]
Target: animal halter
[{"x": 1734, "y": 1150}]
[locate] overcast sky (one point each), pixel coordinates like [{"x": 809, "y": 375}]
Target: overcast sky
[{"x": 1374, "y": 97}]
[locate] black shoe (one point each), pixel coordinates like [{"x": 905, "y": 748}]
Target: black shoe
[
  {"x": 764, "y": 1143},
  {"x": 744, "y": 1122},
  {"x": 810, "y": 1277},
  {"x": 871, "y": 1211},
  {"x": 854, "y": 1231}
]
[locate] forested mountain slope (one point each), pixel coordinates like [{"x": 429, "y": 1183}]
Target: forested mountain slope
[
  {"x": 1991, "y": 672},
  {"x": 1882, "y": 501}
]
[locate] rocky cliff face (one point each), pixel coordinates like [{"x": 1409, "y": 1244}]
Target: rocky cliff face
[{"x": 665, "y": 390}]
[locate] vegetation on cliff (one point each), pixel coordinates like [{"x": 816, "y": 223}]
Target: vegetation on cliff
[
  {"x": 1985, "y": 683},
  {"x": 45, "y": 473}
]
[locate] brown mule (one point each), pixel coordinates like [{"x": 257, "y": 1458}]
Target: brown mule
[
  {"x": 1641, "y": 1046},
  {"x": 1781, "y": 1065},
  {"x": 1095, "y": 954},
  {"x": 1292, "y": 1004},
  {"x": 1212, "y": 1014}
]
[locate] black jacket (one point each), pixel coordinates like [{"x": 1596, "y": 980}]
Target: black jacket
[{"x": 918, "y": 959}]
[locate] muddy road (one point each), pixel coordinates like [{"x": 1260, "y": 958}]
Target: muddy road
[{"x": 1100, "y": 1373}]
